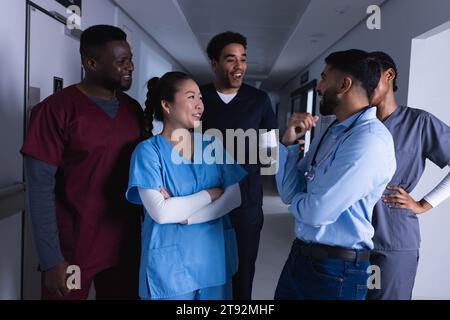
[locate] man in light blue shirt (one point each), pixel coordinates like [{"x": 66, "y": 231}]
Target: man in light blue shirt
[{"x": 332, "y": 191}]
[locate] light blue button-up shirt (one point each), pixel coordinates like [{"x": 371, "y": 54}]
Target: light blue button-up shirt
[{"x": 354, "y": 164}]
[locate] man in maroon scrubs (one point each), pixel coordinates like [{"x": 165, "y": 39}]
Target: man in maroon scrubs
[{"x": 77, "y": 154}]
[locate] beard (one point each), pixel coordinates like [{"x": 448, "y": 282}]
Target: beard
[
  {"x": 117, "y": 83},
  {"x": 125, "y": 85},
  {"x": 329, "y": 103}
]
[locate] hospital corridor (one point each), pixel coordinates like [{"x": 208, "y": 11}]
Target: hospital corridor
[{"x": 225, "y": 150}]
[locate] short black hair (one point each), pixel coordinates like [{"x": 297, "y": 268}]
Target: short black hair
[
  {"x": 359, "y": 65},
  {"x": 385, "y": 62},
  {"x": 221, "y": 40},
  {"x": 96, "y": 37}
]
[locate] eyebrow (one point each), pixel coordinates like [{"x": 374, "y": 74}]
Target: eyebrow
[
  {"x": 189, "y": 92},
  {"x": 125, "y": 56},
  {"x": 233, "y": 55},
  {"x": 323, "y": 74}
]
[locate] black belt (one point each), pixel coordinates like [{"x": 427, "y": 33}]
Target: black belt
[{"x": 322, "y": 251}]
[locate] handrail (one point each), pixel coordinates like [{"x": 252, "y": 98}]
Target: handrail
[{"x": 12, "y": 200}]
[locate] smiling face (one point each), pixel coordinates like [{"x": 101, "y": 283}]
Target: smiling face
[
  {"x": 187, "y": 107},
  {"x": 231, "y": 67},
  {"x": 114, "y": 65}
]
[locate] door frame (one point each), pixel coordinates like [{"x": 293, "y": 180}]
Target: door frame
[
  {"x": 30, "y": 5},
  {"x": 302, "y": 93}
]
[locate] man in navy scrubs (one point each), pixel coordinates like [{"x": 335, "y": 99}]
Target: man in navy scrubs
[{"x": 231, "y": 104}]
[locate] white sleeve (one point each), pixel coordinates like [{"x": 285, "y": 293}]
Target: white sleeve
[
  {"x": 440, "y": 193},
  {"x": 175, "y": 209},
  {"x": 229, "y": 200}
]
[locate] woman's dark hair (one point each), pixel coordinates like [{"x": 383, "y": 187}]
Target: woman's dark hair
[
  {"x": 386, "y": 62},
  {"x": 159, "y": 89}
]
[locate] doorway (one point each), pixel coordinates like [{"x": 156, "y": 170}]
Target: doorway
[{"x": 304, "y": 100}]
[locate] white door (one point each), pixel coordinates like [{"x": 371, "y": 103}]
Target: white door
[{"x": 53, "y": 54}]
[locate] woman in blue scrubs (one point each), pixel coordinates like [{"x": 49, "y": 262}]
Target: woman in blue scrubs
[
  {"x": 418, "y": 135},
  {"x": 188, "y": 245}
]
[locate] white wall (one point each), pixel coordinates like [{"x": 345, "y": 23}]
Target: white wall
[
  {"x": 150, "y": 60},
  {"x": 428, "y": 90},
  {"x": 402, "y": 21}
]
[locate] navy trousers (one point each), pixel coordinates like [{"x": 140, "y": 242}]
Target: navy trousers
[
  {"x": 398, "y": 273},
  {"x": 247, "y": 223}
]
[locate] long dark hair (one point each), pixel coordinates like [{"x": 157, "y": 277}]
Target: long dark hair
[{"x": 159, "y": 89}]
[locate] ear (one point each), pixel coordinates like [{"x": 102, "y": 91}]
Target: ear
[
  {"x": 165, "y": 106},
  {"x": 344, "y": 85},
  {"x": 214, "y": 64},
  {"x": 390, "y": 74},
  {"x": 91, "y": 65}
]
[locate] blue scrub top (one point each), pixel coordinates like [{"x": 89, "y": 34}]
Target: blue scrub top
[
  {"x": 177, "y": 259},
  {"x": 418, "y": 135}
]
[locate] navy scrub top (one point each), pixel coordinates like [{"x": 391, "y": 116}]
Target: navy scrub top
[
  {"x": 418, "y": 135},
  {"x": 251, "y": 108}
]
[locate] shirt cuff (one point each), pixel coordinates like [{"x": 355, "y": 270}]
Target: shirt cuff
[
  {"x": 49, "y": 257},
  {"x": 289, "y": 151}
]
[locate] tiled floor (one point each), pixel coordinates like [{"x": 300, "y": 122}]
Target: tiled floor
[{"x": 276, "y": 240}]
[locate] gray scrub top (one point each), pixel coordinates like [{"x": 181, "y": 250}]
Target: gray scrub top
[{"x": 418, "y": 135}]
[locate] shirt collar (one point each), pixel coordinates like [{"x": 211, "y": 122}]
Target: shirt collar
[{"x": 370, "y": 112}]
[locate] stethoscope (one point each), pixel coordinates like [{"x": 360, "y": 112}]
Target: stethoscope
[{"x": 310, "y": 173}]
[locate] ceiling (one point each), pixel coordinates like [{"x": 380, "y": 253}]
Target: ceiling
[{"x": 283, "y": 36}]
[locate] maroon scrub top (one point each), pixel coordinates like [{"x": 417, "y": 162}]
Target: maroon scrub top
[{"x": 92, "y": 151}]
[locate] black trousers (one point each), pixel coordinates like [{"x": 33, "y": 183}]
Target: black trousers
[{"x": 247, "y": 222}]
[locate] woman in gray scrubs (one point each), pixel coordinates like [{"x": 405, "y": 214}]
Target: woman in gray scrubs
[{"x": 418, "y": 135}]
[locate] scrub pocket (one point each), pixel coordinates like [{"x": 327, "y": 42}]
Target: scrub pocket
[
  {"x": 166, "y": 273},
  {"x": 231, "y": 253}
]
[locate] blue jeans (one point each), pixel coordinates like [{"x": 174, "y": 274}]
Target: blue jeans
[{"x": 307, "y": 278}]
